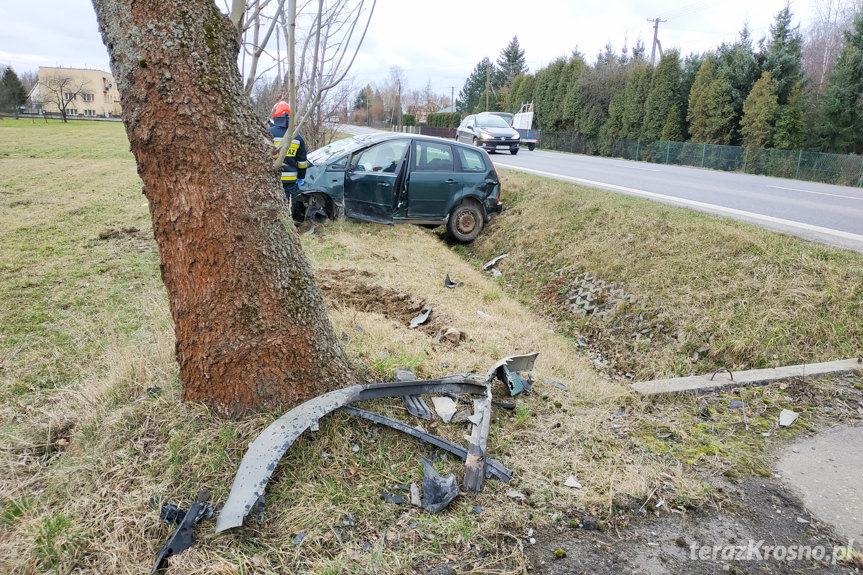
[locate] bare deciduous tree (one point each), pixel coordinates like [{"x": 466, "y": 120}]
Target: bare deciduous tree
[
  {"x": 321, "y": 40},
  {"x": 825, "y": 38},
  {"x": 251, "y": 328},
  {"x": 61, "y": 90}
]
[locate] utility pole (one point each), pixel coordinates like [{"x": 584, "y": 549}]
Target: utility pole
[
  {"x": 656, "y": 43},
  {"x": 487, "y": 84},
  {"x": 452, "y": 96},
  {"x": 399, "y": 105}
]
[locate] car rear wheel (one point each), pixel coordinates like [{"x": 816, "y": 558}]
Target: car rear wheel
[
  {"x": 513, "y": 151},
  {"x": 531, "y": 147},
  {"x": 465, "y": 222}
]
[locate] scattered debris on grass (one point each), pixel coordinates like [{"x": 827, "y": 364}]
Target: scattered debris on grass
[
  {"x": 787, "y": 417},
  {"x": 438, "y": 491},
  {"x": 491, "y": 263},
  {"x": 421, "y": 318},
  {"x": 451, "y": 284}
]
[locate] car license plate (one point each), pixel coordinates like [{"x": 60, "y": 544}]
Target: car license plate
[{"x": 501, "y": 147}]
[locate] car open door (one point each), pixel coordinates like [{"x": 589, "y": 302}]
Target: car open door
[
  {"x": 434, "y": 180},
  {"x": 372, "y": 179}
]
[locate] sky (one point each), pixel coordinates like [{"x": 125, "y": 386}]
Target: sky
[{"x": 438, "y": 42}]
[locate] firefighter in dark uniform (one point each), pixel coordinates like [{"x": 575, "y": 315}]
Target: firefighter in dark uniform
[{"x": 295, "y": 164}]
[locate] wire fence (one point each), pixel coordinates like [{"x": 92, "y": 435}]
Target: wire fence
[{"x": 845, "y": 170}]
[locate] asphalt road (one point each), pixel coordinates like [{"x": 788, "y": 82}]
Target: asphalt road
[{"x": 820, "y": 212}]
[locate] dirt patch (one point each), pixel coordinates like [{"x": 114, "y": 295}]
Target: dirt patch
[
  {"x": 356, "y": 289},
  {"x": 755, "y": 527}
]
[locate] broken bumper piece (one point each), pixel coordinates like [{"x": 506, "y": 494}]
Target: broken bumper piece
[{"x": 267, "y": 449}]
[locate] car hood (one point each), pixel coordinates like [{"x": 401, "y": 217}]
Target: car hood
[{"x": 499, "y": 132}]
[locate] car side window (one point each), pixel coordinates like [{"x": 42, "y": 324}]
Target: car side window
[
  {"x": 433, "y": 157},
  {"x": 384, "y": 157},
  {"x": 338, "y": 165},
  {"x": 471, "y": 160}
]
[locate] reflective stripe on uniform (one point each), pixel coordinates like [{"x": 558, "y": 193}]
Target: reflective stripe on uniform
[
  {"x": 289, "y": 176},
  {"x": 302, "y": 164}
]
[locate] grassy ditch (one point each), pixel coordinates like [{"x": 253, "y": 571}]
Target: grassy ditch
[
  {"x": 93, "y": 435},
  {"x": 672, "y": 291}
]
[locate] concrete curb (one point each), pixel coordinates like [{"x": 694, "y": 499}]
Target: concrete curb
[{"x": 698, "y": 384}]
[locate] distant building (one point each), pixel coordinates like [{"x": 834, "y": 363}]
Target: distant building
[{"x": 83, "y": 93}]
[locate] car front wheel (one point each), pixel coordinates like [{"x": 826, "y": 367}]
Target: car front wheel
[
  {"x": 465, "y": 223},
  {"x": 513, "y": 151}
]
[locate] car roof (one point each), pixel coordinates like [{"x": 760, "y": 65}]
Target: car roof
[{"x": 368, "y": 139}]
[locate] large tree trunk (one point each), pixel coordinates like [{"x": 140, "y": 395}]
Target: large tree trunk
[{"x": 251, "y": 328}]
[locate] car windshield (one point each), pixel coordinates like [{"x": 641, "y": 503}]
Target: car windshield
[
  {"x": 321, "y": 155},
  {"x": 491, "y": 122}
]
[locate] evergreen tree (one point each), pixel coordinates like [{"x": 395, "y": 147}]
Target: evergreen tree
[
  {"x": 691, "y": 65},
  {"x": 662, "y": 97},
  {"x": 784, "y": 57},
  {"x": 474, "y": 87},
  {"x": 673, "y": 128},
  {"x": 790, "y": 132},
  {"x": 525, "y": 92},
  {"x": 635, "y": 95},
  {"x": 510, "y": 63},
  {"x": 759, "y": 113},
  {"x": 361, "y": 102},
  {"x": 570, "y": 101},
  {"x": 741, "y": 67},
  {"x": 12, "y": 92},
  {"x": 841, "y": 127},
  {"x": 545, "y": 90},
  {"x": 710, "y": 112}
]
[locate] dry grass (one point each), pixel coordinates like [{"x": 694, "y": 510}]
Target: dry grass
[
  {"x": 84, "y": 446},
  {"x": 745, "y": 297}
]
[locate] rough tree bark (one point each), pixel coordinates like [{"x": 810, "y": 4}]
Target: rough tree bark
[{"x": 251, "y": 328}]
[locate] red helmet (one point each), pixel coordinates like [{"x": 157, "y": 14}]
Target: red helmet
[{"x": 280, "y": 108}]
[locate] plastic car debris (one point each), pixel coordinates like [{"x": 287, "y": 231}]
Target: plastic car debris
[
  {"x": 490, "y": 264},
  {"x": 438, "y": 490},
  {"x": 451, "y": 284},
  {"x": 414, "y": 403},
  {"x": 475, "y": 463},
  {"x": 396, "y": 499},
  {"x": 493, "y": 467},
  {"x": 507, "y": 371},
  {"x": 181, "y": 539},
  {"x": 445, "y": 408},
  {"x": 512, "y": 379},
  {"x": 421, "y": 318},
  {"x": 267, "y": 449},
  {"x": 298, "y": 538}
]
